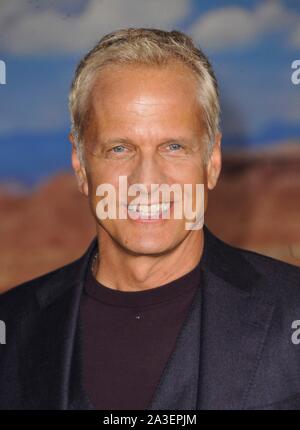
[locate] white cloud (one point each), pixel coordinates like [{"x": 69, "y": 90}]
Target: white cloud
[
  {"x": 236, "y": 26},
  {"x": 223, "y": 27},
  {"x": 35, "y": 31}
]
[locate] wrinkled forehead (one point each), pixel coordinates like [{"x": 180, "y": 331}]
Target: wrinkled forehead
[
  {"x": 124, "y": 81},
  {"x": 142, "y": 93}
]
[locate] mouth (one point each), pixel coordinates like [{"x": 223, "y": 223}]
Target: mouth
[{"x": 153, "y": 212}]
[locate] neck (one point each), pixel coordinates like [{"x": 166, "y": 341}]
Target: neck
[{"x": 120, "y": 270}]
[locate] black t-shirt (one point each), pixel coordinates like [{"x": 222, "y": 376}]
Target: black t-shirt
[{"x": 128, "y": 338}]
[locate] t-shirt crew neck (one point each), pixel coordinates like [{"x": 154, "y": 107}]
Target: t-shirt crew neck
[{"x": 152, "y": 296}]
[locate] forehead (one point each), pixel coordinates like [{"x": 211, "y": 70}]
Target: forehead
[{"x": 139, "y": 93}]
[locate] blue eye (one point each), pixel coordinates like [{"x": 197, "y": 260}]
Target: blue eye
[
  {"x": 118, "y": 149},
  {"x": 175, "y": 146}
]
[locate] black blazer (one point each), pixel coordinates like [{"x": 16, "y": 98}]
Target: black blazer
[{"x": 234, "y": 351}]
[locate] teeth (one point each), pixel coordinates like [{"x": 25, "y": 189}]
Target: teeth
[{"x": 151, "y": 209}]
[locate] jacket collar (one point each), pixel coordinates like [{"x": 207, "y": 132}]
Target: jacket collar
[
  {"x": 218, "y": 258},
  {"x": 69, "y": 277}
]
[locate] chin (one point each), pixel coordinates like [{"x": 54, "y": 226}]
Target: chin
[
  {"x": 148, "y": 247},
  {"x": 146, "y": 239}
]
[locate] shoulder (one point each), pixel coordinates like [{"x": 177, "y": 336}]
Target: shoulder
[
  {"x": 22, "y": 297},
  {"x": 280, "y": 280},
  {"x": 251, "y": 271},
  {"x": 270, "y": 266},
  {"x": 46, "y": 287}
]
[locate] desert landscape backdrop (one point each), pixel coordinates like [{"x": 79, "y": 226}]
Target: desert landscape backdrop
[{"x": 256, "y": 206}]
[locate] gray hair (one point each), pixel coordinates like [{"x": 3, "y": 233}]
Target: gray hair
[{"x": 147, "y": 46}]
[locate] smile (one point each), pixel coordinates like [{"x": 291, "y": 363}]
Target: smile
[{"x": 149, "y": 211}]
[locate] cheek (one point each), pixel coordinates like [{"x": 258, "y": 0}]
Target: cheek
[
  {"x": 191, "y": 175},
  {"x": 99, "y": 173},
  {"x": 195, "y": 175}
]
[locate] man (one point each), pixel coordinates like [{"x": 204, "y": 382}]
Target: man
[{"x": 154, "y": 315}]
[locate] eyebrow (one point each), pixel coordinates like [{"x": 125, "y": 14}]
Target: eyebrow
[
  {"x": 116, "y": 140},
  {"x": 163, "y": 142}
]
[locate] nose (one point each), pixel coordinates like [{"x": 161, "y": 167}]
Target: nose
[{"x": 148, "y": 170}]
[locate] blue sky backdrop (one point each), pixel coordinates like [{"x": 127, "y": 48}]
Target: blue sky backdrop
[{"x": 251, "y": 44}]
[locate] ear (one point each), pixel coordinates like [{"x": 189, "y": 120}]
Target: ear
[
  {"x": 78, "y": 168},
  {"x": 215, "y": 163}
]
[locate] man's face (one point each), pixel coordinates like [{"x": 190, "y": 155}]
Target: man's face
[{"x": 146, "y": 125}]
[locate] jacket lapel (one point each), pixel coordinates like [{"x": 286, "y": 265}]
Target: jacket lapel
[
  {"x": 178, "y": 386},
  {"x": 220, "y": 343},
  {"x": 235, "y": 321},
  {"x": 234, "y": 332},
  {"x": 50, "y": 373}
]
